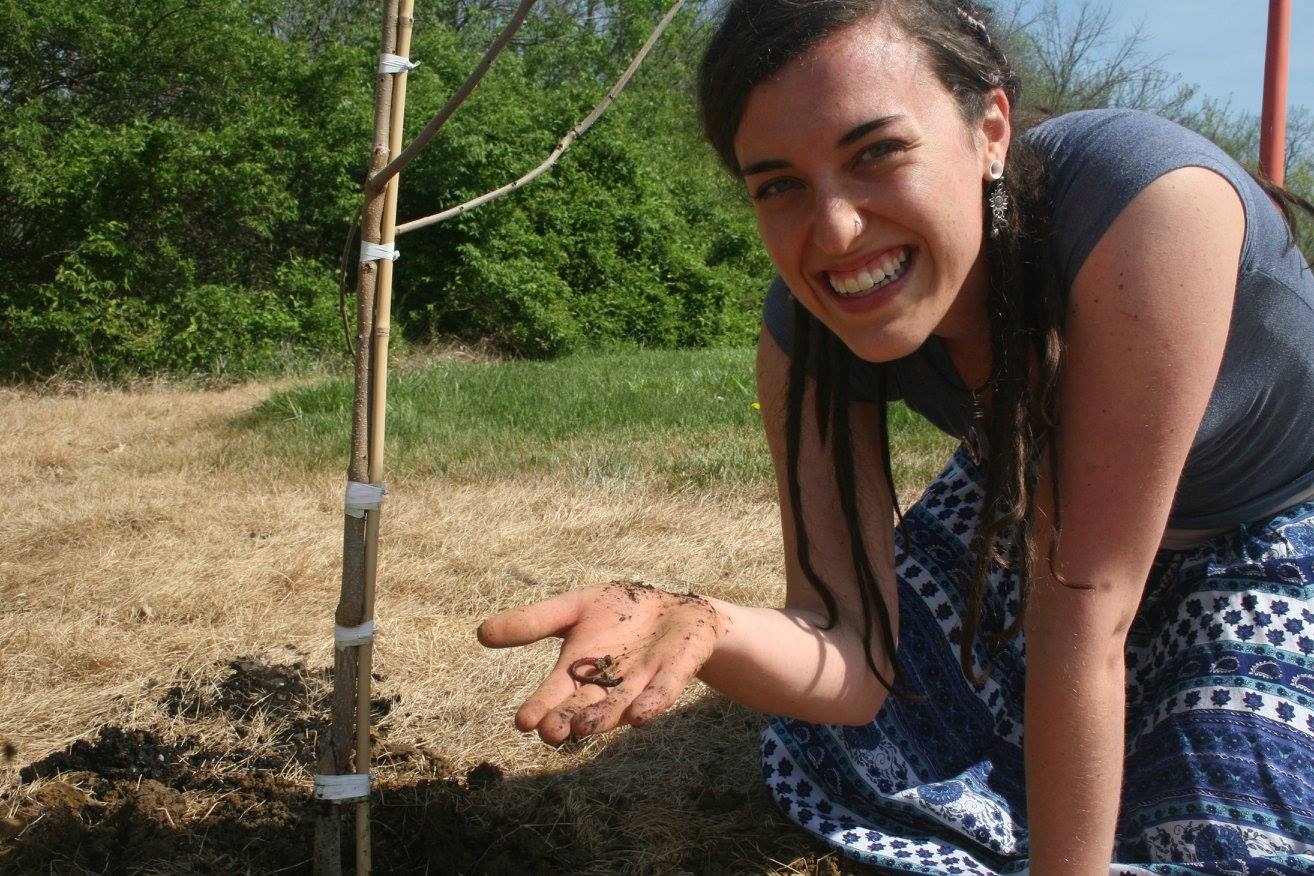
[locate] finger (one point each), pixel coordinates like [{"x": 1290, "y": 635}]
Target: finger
[
  {"x": 529, "y": 623},
  {"x": 679, "y": 663},
  {"x": 605, "y": 714},
  {"x": 555, "y": 689},
  {"x": 660, "y": 694},
  {"x": 555, "y": 726},
  {"x": 559, "y": 684}
]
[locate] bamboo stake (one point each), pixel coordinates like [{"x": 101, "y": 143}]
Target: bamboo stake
[
  {"x": 335, "y": 747},
  {"x": 377, "y": 425},
  {"x": 360, "y": 547},
  {"x": 394, "y": 167},
  {"x": 562, "y": 146}
]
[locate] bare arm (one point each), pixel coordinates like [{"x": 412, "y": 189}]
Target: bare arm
[
  {"x": 780, "y": 661},
  {"x": 797, "y": 668},
  {"x": 1147, "y": 324}
]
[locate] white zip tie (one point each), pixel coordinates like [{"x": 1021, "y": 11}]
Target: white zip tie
[
  {"x": 363, "y": 497},
  {"x": 347, "y": 637},
  {"x": 389, "y": 63},
  {"x": 349, "y": 788},
  {"x": 370, "y": 252}
]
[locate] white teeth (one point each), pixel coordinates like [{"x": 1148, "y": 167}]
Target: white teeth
[{"x": 890, "y": 269}]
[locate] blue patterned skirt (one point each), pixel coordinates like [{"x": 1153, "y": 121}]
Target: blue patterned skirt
[{"x": 1219, "y": 773}]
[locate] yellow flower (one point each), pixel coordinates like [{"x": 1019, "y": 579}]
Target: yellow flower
[{"x": 757, "y": 406}]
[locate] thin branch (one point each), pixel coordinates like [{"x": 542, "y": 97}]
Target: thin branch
[
  {"x": 562, "y": 146},
  {"x": 376, "y": 183},
  {"x": 344, "y": 269}
]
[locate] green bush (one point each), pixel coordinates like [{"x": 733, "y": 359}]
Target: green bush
[
  {"x": 636, "y": 236},
  {"x": 176, "y": 179},
  {"x": 173, "y": 183}
]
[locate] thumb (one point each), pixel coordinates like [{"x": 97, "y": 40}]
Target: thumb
[{"x": 529, "y": 623}]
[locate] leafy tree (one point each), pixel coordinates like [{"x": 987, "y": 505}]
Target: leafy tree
[
  {"x": 176, "y": 178},
  {"x": 163, "y": 204},
  {"x": 635, "y": 237}
]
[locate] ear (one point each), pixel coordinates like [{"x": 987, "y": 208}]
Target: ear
[{"x": 995, "y": 129}]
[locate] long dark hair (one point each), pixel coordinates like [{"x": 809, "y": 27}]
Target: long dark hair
[{"x": 756, "y": 40}]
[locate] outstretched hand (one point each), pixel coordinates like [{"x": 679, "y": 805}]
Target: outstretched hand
[{"x": 628, "y": 650}]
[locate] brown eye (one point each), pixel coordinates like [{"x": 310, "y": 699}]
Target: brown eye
[
  {"x": 879, "y": 150},
  {"x": 774, "y": 187}
]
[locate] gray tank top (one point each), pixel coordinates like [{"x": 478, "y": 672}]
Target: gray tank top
[{"x": 1254, "y": 452}]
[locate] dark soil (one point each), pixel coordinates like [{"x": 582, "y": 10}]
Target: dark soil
[
  {"x": 219, "y": 801},
  {"x": 137, "y": 800}
]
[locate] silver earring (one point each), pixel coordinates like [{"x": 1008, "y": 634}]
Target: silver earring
[
  {"x": 998, "y": 207},
  {"x": 996, "y": 169}
]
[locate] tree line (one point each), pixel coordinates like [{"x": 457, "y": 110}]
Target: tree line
[{"x": 176, "y": 178}]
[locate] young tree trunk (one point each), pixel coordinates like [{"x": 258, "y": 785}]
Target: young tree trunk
[
  {"x": 335, "y": 746},
  {"x": 351, "y": 667}
]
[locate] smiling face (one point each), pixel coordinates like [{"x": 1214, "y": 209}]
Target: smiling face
[{"x": 867, "y": 182}]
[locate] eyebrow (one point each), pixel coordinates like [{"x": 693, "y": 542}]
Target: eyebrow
[
  {"x": 864, "y": 129},
  {"x": 850, "y": 137}
]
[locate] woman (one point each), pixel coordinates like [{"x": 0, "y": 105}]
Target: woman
[{"x": 1112, "y": 313}]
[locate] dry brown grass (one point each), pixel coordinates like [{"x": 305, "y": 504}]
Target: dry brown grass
[{"x": 145, "y": 544}]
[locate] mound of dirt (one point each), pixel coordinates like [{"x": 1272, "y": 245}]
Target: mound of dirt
[
  {"x": 141, "y": 800},
  {"x": 116, "y": 754}
]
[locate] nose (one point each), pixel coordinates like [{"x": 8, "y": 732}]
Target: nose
[{"x": 836, "y": 225}]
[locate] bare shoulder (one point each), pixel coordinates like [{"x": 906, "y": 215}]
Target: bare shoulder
[
  {"x": 1147, "y": 323},
  {"x": 1188, "y": 223}
]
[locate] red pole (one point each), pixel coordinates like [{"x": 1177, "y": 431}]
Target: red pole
[{"x": 1273, "y": 123}]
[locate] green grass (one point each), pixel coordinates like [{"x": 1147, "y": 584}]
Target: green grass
[{"x": 681, "y": 419}]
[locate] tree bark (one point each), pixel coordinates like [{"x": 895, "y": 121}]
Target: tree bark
[{"x": 335, "y": 747}]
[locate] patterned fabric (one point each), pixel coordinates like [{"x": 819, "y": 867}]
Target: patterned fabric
[{"x": 1219, "y": 774}]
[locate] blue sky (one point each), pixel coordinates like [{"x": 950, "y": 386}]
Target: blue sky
[{"x": 1219, "y": 44}]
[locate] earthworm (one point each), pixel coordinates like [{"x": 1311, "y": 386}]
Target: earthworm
[{"x": 601, "y": 676}]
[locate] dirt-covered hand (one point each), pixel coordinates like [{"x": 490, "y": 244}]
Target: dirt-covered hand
[{"x": 628, "y": 651}]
